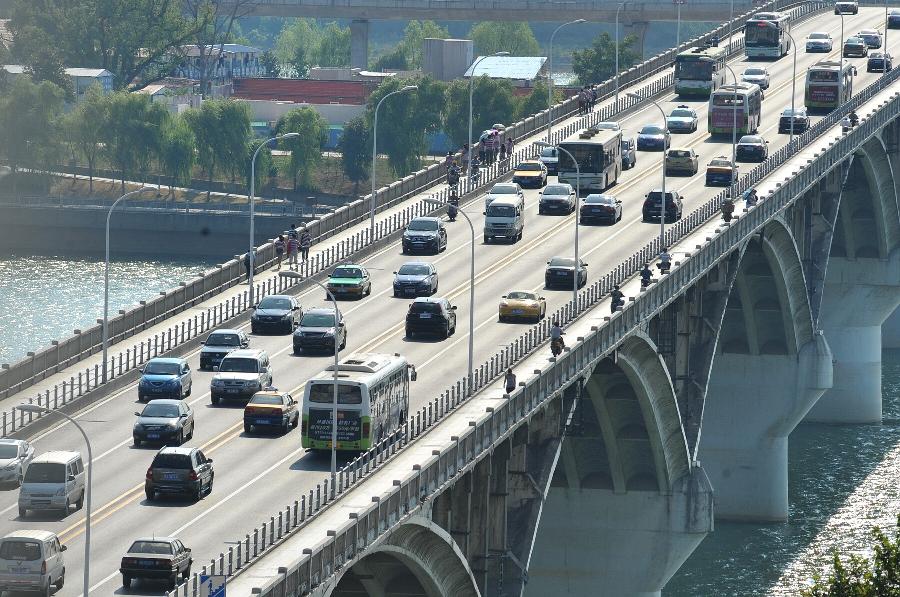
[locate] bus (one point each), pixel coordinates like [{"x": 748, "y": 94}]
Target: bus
[
  {"x": 699, "y": 71},
  {"x": 730, "y": 107},
  {"x": 373, "y": 400},
  {"x": 766, "y": 35},
  {"x": 599, "y": 156},
  {"x": 829, "y": 84}
]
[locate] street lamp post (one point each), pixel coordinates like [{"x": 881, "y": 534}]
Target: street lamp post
[
  {"x": 678, "y": 4},
  {"x": 471, "y": 375},
  {"x": 105, "y": 335},
  {"x": 550, "y": 78},
  {"x": 618, "y": 8},
  {"x": 662, "y": 209},
  {"x": 577, "y": 214},
  {"x": 251, "y": 201},
  {"x": 471, "y": 90},
  {"x": 375, "y": 154},
  {"x": 337, "y": 349},
  {"x": 794, "y": 76},
  {"x": 734, "y": 127},
  {"x": 34, "y": 408}
]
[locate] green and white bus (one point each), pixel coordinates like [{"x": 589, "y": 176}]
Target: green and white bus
[
  {"x": 699, "y": 71},
  {"x": 373, "y": 400}
]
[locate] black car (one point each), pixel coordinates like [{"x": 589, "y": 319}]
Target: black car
[
  {"x": 560, "y": 272},
  {"x": 653, "y": 138},
  {"x": 318, "y": 332},
  {"x": 879, "y": 62},
  {"x": 653, "y": 206},
  {"x": 855, "y": 46},
  {"x": 415, "y": 278},
  {"x": 218, "y": 344},
  {"x": 179, "y": 471},
  {"x": 894, "y": 19},
  {"x": 166, "y": 421},
  {"x": 601, "y": 208},
  {"x": 425, "y": 234},
  {"x": 752, "y": 148},
  {"x": 799, "y": 117},
  {"x": 431, "y": 316},
  {"x": 156, "y": 558},
  {"x": 276, "y": 311}
]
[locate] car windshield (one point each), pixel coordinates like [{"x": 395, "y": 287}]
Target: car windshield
[
  {"x": 413, "y": 269},
  {"x": 600, "y": 200},
  {"x": 265, "y": 399},
  {"x": 522, "y": 296},
  {"x": 423, "y": 225},
  {"x": 166, "y": 411},
  {"x": 501, "y": 211},
  {"x": 223, "y": 339},
  {"x": 682, "y": 113},
  {"x": 157, "y": 368},
  {"x": 529, "y": 166},
  {"x": 503, "y": 189},
  {"x": 424, "y": 307},
  {"x": 562, "y": 262},
  {"x": 323, "y": 392},
  {"x": 818, "y": 36},
  {"x": 548, "y": 152},
  {"x": 275, "y": 302},
  {"x": 153, "y": 547},
  {"x": 171, "y": 460},
  {"x": 20, "y": 551},
  {"x": 556, "y": 189},
  {"x": 46, "y": 472},
  {"x": 238, "y": 365},
  {"x": 318, "y": 320},
  {"x": 8, "y": 451},
  {"x": 347, "y": 272},
  {"x": 750, "y": 140},
  {"x": 651, "y": 129}
]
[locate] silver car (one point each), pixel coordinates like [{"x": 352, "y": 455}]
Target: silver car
[
  {"x": 557, "y": 197},
  {"x": 756, "y": 75},
  {"x": 15, "y": 456}
]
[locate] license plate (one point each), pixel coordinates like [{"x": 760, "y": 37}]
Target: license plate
[
  {"x": 517, "y": 311},
  {"x": 424, "y": 315},
  {"x": 597, "y": 210},
  {"x": 146, "y": 563},
  {"x": 232, "y": 390},
  {"x": 170, "y": 476},
  {"x": 152, "y": 436},
  {"x": 561, "y": 273},
  {"x": 262, "y": 422},
  {"x": 410, "y": 291}
]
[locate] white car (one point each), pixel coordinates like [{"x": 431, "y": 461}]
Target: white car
[
  {"x": 608, "y": 126},
  {"x": 756, "y": 75},
  {"x": 819, "y": 41},
  {"x": 503, "y": 190}
]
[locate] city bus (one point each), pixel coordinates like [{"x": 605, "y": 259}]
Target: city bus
[
  {"x": 599, "y": 155},
  {"x": 699, "y": 71},
  {"x": 729, "y": 107},
  {"x": 829, "y": 83},
  {"x": 766, "y": 35},
  {"x": 373, "y": 400}
]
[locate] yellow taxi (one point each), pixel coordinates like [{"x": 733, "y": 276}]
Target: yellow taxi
[
  {"x": 521, "y": 304},
  {"x": 271, "y": 410},
  {"x": 530, "y": 173},
  {"x": 721, "y": 172}
]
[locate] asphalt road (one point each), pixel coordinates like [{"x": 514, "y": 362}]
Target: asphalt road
[{"x": 257, "y": 475}]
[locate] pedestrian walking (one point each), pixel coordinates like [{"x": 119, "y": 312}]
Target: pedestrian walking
[
  {"x": 248, "y": 263},
  {"x": 293, "y": 245},
  {"x": 509, "y": 147},
  {"x": 305, "y": 243},
  {"x": 279, "y": 251},
  {"x": 510, "y": 381},
  {"x": 593, "y": 96},
  {"x": 293, "y": 232}
]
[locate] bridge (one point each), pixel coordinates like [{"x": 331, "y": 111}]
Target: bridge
[{"x": 607, "y": 466}]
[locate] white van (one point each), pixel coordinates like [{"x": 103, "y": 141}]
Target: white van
[
  {"x": 32, "y": 561},
  {"x": 504, "y": 218},
  {"x": 54, "y": 481}
]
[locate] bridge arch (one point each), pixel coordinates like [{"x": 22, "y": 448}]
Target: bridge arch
[{"x": 417, "y": 559}]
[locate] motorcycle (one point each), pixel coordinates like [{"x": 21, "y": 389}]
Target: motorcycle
[
  {"x": 664, "y": 266},
  {"x": 646, "y": 276},
  {"x": 453, "y": 208}
]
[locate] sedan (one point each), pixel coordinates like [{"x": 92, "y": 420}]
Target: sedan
[
  {"x": 349, "y": 280},
  {"x": 855, "y": 46},
  {"x": 15, "y": 456},
  {"x": 879, "y": 62},
  {"x": 601, "y": 208},
  {"x": 271, "y": 410},
  {"x": 652, "y": 137},
  {"x": 683, "y": 119},
  {"x": 531, "y": 173},
  {"x": 503, "y": 190},
  {"x": 872, "y": 37},
  {"x": 317, "y": 331},
  {"x": 165, "y": 377},
  {"x": 819, "y": 41},
  {"x": 721, "y": 172},
  {"x": 557, "y": 197},
  {"x": 752, "y": 148},
  {"x": 522, "y": 304},
  {"x": 415, "y": 278},
  {"x": 894, "y": 19},
  {"x": 560, "y": 272},
  {"x": 276, "y": 311},
  {"x": 165, "y": 421},
  {"x": 610, "y": 125},
  {"x": 798, "y": 116},
  {"x": 157, "y": 558},
  {"x": 757, "y": 76}
]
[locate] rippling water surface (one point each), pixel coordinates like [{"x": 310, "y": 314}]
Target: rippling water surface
[
  {"x": 843, "y": 481},
  {"x": 45, "y": 298}
]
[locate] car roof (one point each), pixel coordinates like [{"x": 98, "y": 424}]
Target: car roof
[
  {"x": 416, "y": 263},
  {"x": 318, "y": 310},
  {"x": 284, "y": 296},
  {"x": 12, "y": 442},
  {"x": 681, "y": 149},
  {"x": 750, "y": 138},
  {"x": 165, "y": 401},
  {"x": 165, "y": 539},
  {"x": 57, "y": 456},
  {"x": 184, "y": 450},
  {"x": 244, "y": 353},
  {"x": 174, "y": 360},
  {"x": 39, "y": 535}
]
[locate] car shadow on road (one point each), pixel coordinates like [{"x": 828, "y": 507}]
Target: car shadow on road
[{"x": 144, "y": 587}]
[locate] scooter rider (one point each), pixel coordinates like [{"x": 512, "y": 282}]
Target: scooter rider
[
  {"x": 727, "y": 209},
  {"x": 556, "y": 339},
  {"x": 646, "y": 275},
  {"x": 665, "y": 261},
  {"x": 618, "y": 299},
  {"x": 854, "y": 119}
]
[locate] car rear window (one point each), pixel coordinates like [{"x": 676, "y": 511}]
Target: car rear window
[
  {"x": 425, "y": 308},
  {"x": 169, "y": 460},
  {"x": 223, "y": 339},
  {"x": 679, "y": 153},
  {"x": 556, "y": 189},
  {"x": 265, "y": 399},
  {"x": 154, "y": 547},
  {"x": 20, "y": 551},
  {"x": 46, "y": 472}
]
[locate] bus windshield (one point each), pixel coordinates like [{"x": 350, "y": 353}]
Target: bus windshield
[
  {"x": 590, "y": 158},
  {"x": 761, "y": 34},
  {"x": 323, "y": 392},
  {"x": 694, "y": 70}
]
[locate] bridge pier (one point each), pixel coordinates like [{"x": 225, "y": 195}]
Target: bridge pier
[
  {"x": 618, "y": 544},
  {"x": 890, "y": 331},
  {"x": 753, "y": 403},
  {"x": 639, "y": 30},
  {"x": 359, "y": 43}
]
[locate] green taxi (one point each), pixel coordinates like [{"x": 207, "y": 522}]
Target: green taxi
[{"x": 349, "y": 281}]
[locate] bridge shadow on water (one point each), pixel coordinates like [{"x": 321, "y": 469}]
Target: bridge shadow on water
[{"x": 826, "y": 464}]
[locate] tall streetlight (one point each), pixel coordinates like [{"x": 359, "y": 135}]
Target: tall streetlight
[
  {"x": 375, "y": 154},
  {"x": 34, "y": 408},
  {"x": 252, "y": 251},
  {"x": 577, "y": 213},
  {"x": 337, "y": 349},
  {"x": 678, "y": 4},
  {"x": 471, "y": 90},
  {"x": 550, "y": 77},
  {"x": 884, "y": 70},
  {"x": 734, "y": 127},
  {"x": 618, "y": 8},
  {"x": 471, "y": 375},
  {"x": 662, "y": 202},
  {"x": 105, "y": 337}
]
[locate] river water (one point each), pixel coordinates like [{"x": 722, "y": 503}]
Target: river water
[{"x": 43, "y": 298}]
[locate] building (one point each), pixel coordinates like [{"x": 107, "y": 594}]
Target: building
[
  {"x": 176, "y": 95},
  {"x": 447, "y": 59},
  {"x": 82, "y": 78},
  {"x": 226, "y": 62},
  {"x": 523, "y": 71}
]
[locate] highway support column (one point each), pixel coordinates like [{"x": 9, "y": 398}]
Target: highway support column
[{"x": 359, "y": 44}]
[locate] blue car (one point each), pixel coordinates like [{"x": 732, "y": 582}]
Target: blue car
[
  {"x": 165, "y": 378},
  {"x": 653, "y": 138}
]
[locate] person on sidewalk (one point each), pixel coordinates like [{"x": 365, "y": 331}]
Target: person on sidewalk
[
  {"x": 279, "y": 252},
  {"x": 293, "y": 245},
  {"x": 510, "y": 381},
  {"x": 305, "y": 243},
  {"x": 248, "y": 263}
]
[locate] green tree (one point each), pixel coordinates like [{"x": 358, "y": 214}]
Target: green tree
[
  {"x": 263, "y": 163},
  {"x": 334, "y": 46},
  {"x": 598, "y": 62},
  {"x": 500, "y": 36},
  {"x": 85, "y": 127},
  {"x": 270, "y": 62},
  {"x": 492, "y": 102},
  {"x": 204, "y": 122},
  {"x": 413, "y": 44},
  {"x": 149, "y": 145},
  {"x": 393, "y": 60},
  {"x": 297, "y": 45},
  {"x": 356, "y": 151},
  {"x": 130, "y": 118},
  {"x": 306, "y": 149},
  {"x": 177, "y": 153},
  {"x": 234, "y": 132},
  {"x": 537, "y": 100}
]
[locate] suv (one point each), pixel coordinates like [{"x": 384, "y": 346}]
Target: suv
[
  {"x": 681, "y": 160},
  {"x": 846, "y": 7},
  {"x": 425, "y": 234},
  {"x": 32, "y": 560},
  {"x": 164, "y": 558},
  {"x": 165, "y": 377},
  {"x": 53, "y": 481},
  {"x": 179, "y": 471},
  {"x": 276, "y": 311},
  {"x": 218, "y": 344},
  {"x": 431, "y": 315},
  {"x": 317, "y": 330},
  {"x": 799, "y": 116},
  {"x": 653, "y": 206},
  {"x": 550, "y": 158},
  {"x": 241, "y": 374}
]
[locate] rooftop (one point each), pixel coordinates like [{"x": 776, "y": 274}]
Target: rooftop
[
  {"x": 508, "y": 67},
  {"x": 193, "y": 50}
]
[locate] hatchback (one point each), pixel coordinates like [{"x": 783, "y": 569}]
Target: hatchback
[
  {"x": 179, "y": 471},
  {"x": 219, "y": 343},
  {"x": 682, "y": 160},
  {"x": 752, "y": 148}
]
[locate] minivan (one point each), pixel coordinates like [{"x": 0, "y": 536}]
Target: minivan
[
  {"x": 53, "y": 481},
  {"x": 32, "y": 561},
  {"x": 241, "y": 374},
  {"x": 504, "y": 218}
]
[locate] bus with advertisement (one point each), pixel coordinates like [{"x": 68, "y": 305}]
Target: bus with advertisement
[
  {"x": 372, "y": 396},
  {"x": 699, "y": 71},
  {"x": 766, "y": 35},
  {"x": 731, "y": 106},
  {"x": 829, "y": 84},
  {"x": 599, "y": 156}
]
